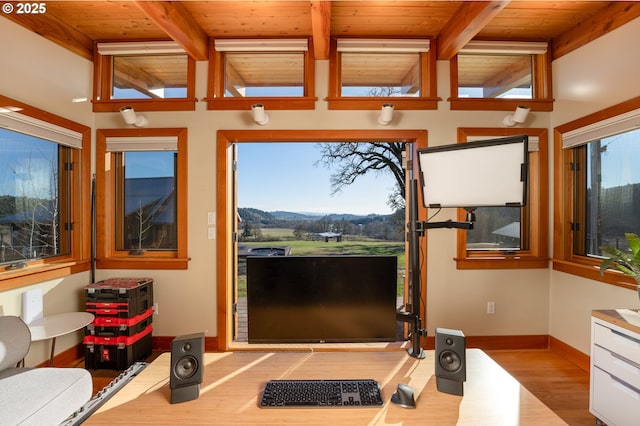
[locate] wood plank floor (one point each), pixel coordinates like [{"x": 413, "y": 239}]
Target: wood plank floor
[{"x": 558, "y": 383}]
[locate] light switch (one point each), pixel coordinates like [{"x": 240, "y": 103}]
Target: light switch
[
  {"x": 211, "y": 218},
  {"x": 211, "y": 233}
]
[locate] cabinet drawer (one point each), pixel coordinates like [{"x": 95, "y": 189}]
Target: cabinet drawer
[
  {"x": 612, "y": 364},
  {"x": 613, "y": 340},
  {"x": 614, "y": 402}
]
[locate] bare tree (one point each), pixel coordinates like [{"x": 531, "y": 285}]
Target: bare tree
[
  {"x": 353, "y": 159},
  {"x": 144, "y": 224}
]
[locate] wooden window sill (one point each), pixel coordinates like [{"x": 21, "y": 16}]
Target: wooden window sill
[
  {"x": 374, "y": 103},
  {"x": 479, "y": 104},
  {"x": 502, "y": 262},
  {"x": 270, "y": 103},
  {"x": 114, "y": 105},
  {"x": 591, "y": 270},
  {"x": 145, "y": 262},
  {"x": 40, "y": 272}
]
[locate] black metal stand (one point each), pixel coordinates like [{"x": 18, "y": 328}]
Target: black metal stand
[{"x": 416, "y": 230}]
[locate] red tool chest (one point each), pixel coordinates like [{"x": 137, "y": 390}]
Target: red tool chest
[{"x": 121, "y": 331}]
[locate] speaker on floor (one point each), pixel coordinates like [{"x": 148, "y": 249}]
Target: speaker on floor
[
  {"x": 450, "y": 360},
  {"x": 187, "y": 368}
]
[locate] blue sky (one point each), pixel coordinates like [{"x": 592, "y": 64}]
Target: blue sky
[{"x": 282, "y": 176}]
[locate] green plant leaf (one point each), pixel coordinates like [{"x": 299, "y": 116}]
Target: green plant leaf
[{"x": 627, "y": 262}]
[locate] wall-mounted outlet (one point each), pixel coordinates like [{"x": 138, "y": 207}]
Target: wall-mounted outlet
[
  {"x": 155, "y": 308},
  {"x": 491, "y": 308}
]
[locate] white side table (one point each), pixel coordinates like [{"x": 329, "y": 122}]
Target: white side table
[{"x": 52, "y": 326}]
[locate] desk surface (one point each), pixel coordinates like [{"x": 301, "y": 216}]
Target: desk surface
[
  {"x": 233, "y": 382},
  {"x": 52, "y": 326}
]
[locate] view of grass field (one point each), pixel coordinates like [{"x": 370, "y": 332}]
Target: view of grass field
[{"x": 278, "y": 237}]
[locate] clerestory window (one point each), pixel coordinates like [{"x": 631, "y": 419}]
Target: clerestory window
[
  {"x": 499, "y": 75},
  {"x": 367, "y": 73},
  {"x": 278, "y": 73},
  {"x": 151, "y": 76}
]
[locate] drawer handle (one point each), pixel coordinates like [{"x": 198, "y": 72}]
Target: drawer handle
[
  {"x": 623, "y": 359},
  {"x": 626, "y": 387},
  {"x": 626, "y": 336}
]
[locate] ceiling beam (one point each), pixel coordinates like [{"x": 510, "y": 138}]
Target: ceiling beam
[
  {"x": 467, "y": 22},
  {"x": 55, "y": 30},
  {"x": 321, "y": 28},
  {"x": 609, "y": 18},
  {"x": 174, "y": 19}
]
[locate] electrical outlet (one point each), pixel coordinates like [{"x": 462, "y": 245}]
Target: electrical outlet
[
  {"x": 491, "y": 308},
  {"x": 155, "y": 308}
]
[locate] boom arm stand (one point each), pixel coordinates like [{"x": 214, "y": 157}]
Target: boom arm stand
[{"x": 416, "y": 230}]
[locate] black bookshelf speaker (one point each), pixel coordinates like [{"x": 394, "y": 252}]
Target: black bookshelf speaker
[
  {"x": 187, "y": 368},
  {"x": 450, "y": 360}
]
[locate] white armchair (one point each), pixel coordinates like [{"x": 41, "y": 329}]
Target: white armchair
[{"x": 35, "y": 396}]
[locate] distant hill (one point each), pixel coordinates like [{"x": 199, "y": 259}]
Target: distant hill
[{"x": 277, "y": 217}]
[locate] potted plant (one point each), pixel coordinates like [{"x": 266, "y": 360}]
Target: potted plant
[{"x": 627, "y": 262}]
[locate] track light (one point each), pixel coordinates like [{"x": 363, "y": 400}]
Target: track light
[
  {"x": 386, "y": 114},
  {"x": 519, "y": 116},
  {"x": 259, "y": 114},
  {"x": 130, "y": 117}
]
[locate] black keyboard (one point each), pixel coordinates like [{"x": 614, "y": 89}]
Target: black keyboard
[{"x": 321, "y": 393}]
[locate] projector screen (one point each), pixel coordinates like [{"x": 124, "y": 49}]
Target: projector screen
[{"x": 489, "y": 173}]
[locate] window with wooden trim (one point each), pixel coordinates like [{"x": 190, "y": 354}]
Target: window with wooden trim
[
  {"x": 151, "y": 76},
  {"x": 142, "y": 198},
  {"x": 492, "y": 75},
  {"x": 277, "y": 73},
  {"x": 597, "y": 189},
  {"x": 367, "y": 73},
  {"x": 44, "y": 195},
  {"x": 507, "y": 237}
]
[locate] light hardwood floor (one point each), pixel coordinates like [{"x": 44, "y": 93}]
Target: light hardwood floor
[{"x": 558, "y": 383}]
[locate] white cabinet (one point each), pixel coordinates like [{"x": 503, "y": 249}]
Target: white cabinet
[{"x": 615, "y": 368}]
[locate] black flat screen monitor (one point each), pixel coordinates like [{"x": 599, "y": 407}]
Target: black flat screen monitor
[
  {"x": 489, "y": 173},
  {"x": 315, "y": 299}
]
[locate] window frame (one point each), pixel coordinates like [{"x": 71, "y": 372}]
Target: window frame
[
  {"x": 216, "y": 87},
  {"x": 536, "y": 256},
  {"x": 107, "y": 256},
  {"x": 564, "y": 259},
  {"x": 428, "y": 85},
  {"x": 103, "y": 83},
  {"x": 542, "y": 90},
  {"x": 79, "y": 257}
]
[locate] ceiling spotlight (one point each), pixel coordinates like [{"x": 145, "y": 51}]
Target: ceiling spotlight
[
  {"x": 130, "y": 117},
  {"x": 386, "y": 114},
  {"x": 519, "y": 116},
  {"x": 259, "y": 114}
]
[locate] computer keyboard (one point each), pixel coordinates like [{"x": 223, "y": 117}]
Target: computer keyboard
[{"x": 321, "y": 393}]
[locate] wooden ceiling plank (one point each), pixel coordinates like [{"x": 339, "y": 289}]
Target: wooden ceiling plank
[
  {"x": 173, "y": 18},
  {"x": 321, "y": 28},
  {"x": 468, "y": 21},
  {"x": 57, "y": 31},
  {"x": 613, "y": 16}
]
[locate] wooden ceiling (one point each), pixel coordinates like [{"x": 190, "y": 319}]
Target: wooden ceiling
[{"x": 77, "y": 25}]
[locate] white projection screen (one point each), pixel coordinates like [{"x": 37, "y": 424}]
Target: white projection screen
[{"x": 488, "y": 173}]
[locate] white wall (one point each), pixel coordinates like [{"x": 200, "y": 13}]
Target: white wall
[
  {"x": 596, "y": 76},
  {"x": 42, "y": 74},
  {"x": 187, "y": 299}
]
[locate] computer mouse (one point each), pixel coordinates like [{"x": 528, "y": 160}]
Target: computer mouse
[{"x": 404, "y": 397}]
